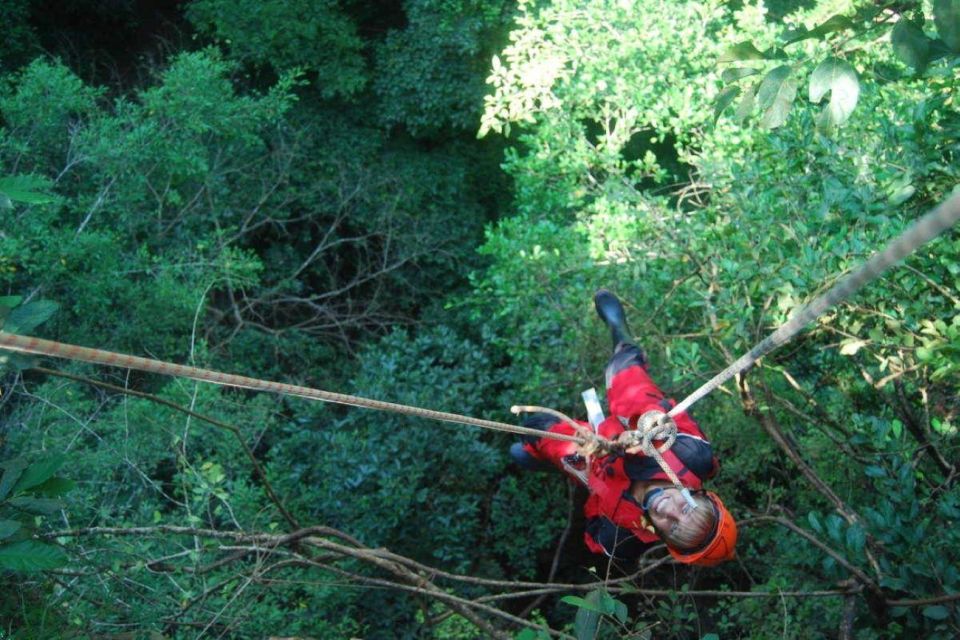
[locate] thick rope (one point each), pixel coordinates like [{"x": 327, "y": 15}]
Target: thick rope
[
  {"x": 922, "y": 231},
  {"x": 928, "y": 227},
  {"x": 39, "y": 347}
]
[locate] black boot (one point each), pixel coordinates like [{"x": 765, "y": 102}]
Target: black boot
[{"x": 611, "y": 312}]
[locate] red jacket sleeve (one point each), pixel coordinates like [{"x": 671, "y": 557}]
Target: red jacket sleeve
[{"x": 632, "y": 393}]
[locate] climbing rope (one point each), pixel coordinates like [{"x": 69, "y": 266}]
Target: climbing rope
[
  {"x": 922, "y": 231},
  {"x": 39, "y": 347},
  {"x": 928, "y": 227}
]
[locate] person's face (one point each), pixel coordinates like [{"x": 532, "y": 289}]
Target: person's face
[{"x": 668, "y": 510}]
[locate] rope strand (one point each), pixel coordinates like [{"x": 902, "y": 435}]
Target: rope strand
[
  {"x": 40, "y": 347},
  {"x": 922, "y": 231},
  {"x": 928, "y": 227}
]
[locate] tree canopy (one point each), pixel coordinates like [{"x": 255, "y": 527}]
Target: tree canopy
[{"x": 414, "y": 201}]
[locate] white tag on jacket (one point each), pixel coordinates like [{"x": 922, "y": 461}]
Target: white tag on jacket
[{"x": 594, "y": 412}]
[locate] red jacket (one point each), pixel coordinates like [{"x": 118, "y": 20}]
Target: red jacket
[{"x": 631, "y": 394}]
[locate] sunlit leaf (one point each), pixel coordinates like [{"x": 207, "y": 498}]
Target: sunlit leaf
[
  {"x": 775, "y": 96},
  {"x": 743, "y": 51},
  {"x": 724, "y": 98},
  {"x": 736, "y": 73},
  {"x": 745, "y": 106},
  {"x": 851, "y": 346},
  {"x": 839, "y": 79}
]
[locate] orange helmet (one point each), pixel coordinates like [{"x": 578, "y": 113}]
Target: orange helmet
[{"x": 718, "y": 546}]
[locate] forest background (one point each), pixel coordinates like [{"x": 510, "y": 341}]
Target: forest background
[{"x": 414, "y": 201}]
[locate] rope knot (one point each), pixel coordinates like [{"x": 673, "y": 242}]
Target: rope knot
[{"x": 651, "y": 426}]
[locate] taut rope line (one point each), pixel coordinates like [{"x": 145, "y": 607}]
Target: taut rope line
[
  {"x": 40, "y": 347},
  {"x": 922, "y": 231},
  {"x": 925, "y": 229}
]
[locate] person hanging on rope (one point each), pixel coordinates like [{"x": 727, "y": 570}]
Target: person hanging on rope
[{"x": 632, "y": 503}]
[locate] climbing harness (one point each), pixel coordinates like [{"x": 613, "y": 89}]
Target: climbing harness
[{"x": 656, "y": 426}]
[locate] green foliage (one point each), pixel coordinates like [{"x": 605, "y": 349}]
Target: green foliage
[
  {"x": 23, "y": 319},
  {"x": 221, "y": 213},
  {"x": 592, "y": 609},
  {"x": 836, "y": 73},
  {"x": 26, "y": 189},
  {"x": 303, "y": 34},
  {"x": 429, "y": 74},
  {"x": 28, "y": 491}
]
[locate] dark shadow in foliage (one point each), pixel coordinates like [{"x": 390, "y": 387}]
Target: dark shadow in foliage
[{"x": 108, "y": 41}]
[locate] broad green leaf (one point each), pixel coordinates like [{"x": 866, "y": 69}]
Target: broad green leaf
[
  {"x": 30, "y": 555},
  {"x": 5, "y": 202},
  {"x": 724, "y": 98},
  {"x": 839, "y": 79},
  {"x": 775, "y": 96},
  {"x": 12, "y": 470},
  {"x": 833, "y": 526},
  {"x": 55, "y": 487},
  {"x": 620, "y": 612},
  {"x": 743, "y": 51},
  {"x": 7, "y": 304},
  {"x": 39, "y": 472},
  {"x": 874, "y": 471},
  {"x": 8, "y": 528},
  {"x": 946, "y": 16},
  {"x": 607, "y": 603},
  {"x": 586, "y": 624},
  {"x": 27, "y": 317},
  {"x": 580, "y": 603},
  {"x": 26, "y": 189},
  {"x": 814, "y": 522},
  {"x": 936, "y": 612},
  {"x": 855, "y": 538},
  {"x": 910, "y": 44},
  {"x": 736, "y": 73},
  {"x": 39, "y": 506}
]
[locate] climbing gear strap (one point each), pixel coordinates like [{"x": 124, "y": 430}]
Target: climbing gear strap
[{"x": 922, "y": 231}]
